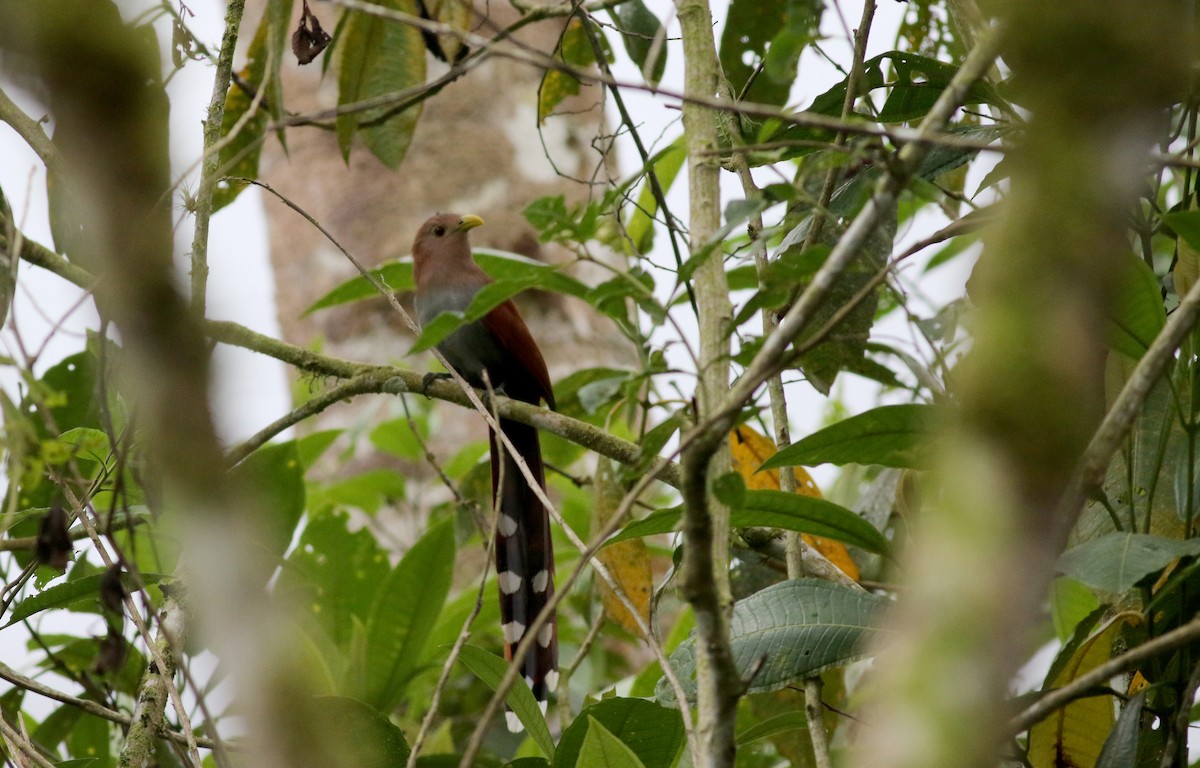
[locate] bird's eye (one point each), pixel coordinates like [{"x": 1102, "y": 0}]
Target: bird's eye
[{"x": 439, "y": 230}]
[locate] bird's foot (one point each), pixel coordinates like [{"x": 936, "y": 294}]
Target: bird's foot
[{"x": 429, "y": 378}]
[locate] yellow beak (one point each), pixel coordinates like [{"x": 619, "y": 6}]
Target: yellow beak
[{"x": 470, "y": 221}]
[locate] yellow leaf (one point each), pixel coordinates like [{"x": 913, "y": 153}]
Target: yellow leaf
[
  {"x": 1137, "y": 685},
  {"x": 749, "y": 450},
  {"x": 628, "y": 562},
  {"x": 1075, "y": 734}
]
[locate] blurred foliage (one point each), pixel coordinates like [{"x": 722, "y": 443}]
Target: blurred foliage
[{"x": 377, "y": 533}]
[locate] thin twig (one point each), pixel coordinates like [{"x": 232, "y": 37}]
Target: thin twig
[
  {"x": 1083, "y": 684},
  {"x": 212, "y": 160},
  {"x": 31, "y": 131},
  {"x": 86, "y": 705},
  {"x": 18, "y": 742}
]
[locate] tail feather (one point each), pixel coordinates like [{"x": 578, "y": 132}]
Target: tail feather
[{"x": 524, "y": 559}]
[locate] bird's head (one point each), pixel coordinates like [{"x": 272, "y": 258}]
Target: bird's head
[{"x": 441, "y": 243}]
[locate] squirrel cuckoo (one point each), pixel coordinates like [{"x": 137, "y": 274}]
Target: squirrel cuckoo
[{"x": 499, "y": 344}]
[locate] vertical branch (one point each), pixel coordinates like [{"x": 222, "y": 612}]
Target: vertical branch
[
  {"x": 212, "y": 157},
  {"x": 153, "y": 692},
  {"x": 1030, "y": 391},
  {"x": 706, "y": 522}
]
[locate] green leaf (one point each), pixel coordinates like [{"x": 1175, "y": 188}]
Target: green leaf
[
  {"x": 92, "y": 443},
  {"x": 490, "y": 668},
  {"x": 436, "y": 330},
  {"x": 91, "y": 736},
  {"x": 601, "y": 749},
  {"x": 800, "y": 31},
  {"x": 891, "y": 436},
  {"x": 378, "y": 57},
  {"x": 796, "y": 512},
  {"x": 71, "y": 592},
  {"x": 311, "y": 447},
  {"x": 916, "y": 84},
  {"x": 844, "y": 344},
  {"x": 456, "y": 612},
  {"x": 514, "y": 274},
  {"x": 643, "y": 36},
  {"x": 404, "y": 612},
  {"x": 69, "y": 387},
  {"x": 1116, "y": 562},
  {"x": 396, "y": 275},
  {"x": 659, "y": 521},
  {"x": 275, "y": 474},
  {"x": 1121, "y": 746},
  {"x": 786, "y": 632},
  {"x": 942, "y": 159},
  {"x": 730, "y": 489},
  {"x": 1070, "y": 603},
  {"x": 58, "y": 724},
  {"x": 612, "y": 296},
  {"x": 741, "y": 210},
  {"x": 782, "y": 723},
  {"x": 750, "y": 26},
  {"x": 354, "y": 733},
  {"x": 550, "y": 216},
  {"x": 1137, "y": 489},
  {"x": 556, "y": 221},
  {"x": 153, "y": 549},
  {"x": 596, "y": 394},
  {"x": 396, "y": 437},
  {"x": 665, "y": 166},
  {"x": 1137, "y": 313},
  {"x": 651, "y": 732},
  {"x": 334, "y": 574},
  {"x": 504, "y": 266},
  {"x": 1186, "y": 225},
  {"x": 775, "y": 509},
  {"x": 575, "y": 50},
  {"x": 367, "y": 490}
]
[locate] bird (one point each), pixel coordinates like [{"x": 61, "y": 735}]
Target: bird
[{"x": 500, "y": 346}]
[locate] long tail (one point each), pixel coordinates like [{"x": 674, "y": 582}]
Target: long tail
[{"x": 525, "y": 562}]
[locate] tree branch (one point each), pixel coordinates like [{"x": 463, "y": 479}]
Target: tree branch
[
  {"x": 89, "y": 706},
  {"x": 212, "y": 158},
  {"x": 1059, "y": 697},
  {"x": 1125, "y": 409},
  {"x": 705, "y": 520},
  {"x": 31, "y": 131}
]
